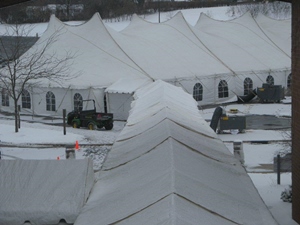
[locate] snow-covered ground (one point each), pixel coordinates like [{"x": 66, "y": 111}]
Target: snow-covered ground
[{"x": 35, "y": 138}]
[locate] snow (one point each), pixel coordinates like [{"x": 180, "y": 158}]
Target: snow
[{"x": 35, "y": 132}]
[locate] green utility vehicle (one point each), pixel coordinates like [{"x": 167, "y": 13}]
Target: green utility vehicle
[{"x": 90, "y": 118}]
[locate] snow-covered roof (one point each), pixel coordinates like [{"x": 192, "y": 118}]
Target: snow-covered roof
[
  {"x": 167, "y": 166},
  {"x": 98, "y": 59},
  {"x": 43, "y": 191},
  {"x": 278, "y": 31},
  {"x": 128, "y": 86},
  {"x": 170, "y": 50},
  {"x": 167, "y": 52},
  {"x": 241, "y": 44}
]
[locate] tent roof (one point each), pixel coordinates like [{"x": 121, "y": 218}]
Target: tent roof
[
  {"x": 167, "y": 52},
  {"x": 169, "y": 167},
  {"x": 128, "y": 86},
  {"x": 98, "y": 60},
  {"x": 241, "y": 44},
  {"x": 170, "y": 50},
  {"x": 43, "y": 191},
  {"x": 278, "y": 31}
]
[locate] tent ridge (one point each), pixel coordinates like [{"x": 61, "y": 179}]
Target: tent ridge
[
  {"x": 188, "y": 128},
  {"x": 167, "y": 118},
  {"x": 152, "y": 149},
  {"x": 196, "y": 151},
  {"x": 270, "y": 39},
  {"x": 211, "y": 52},
  {"x": 120, "y": 220},
  {"x": 91, "y": 43},
  {"x": 206, "y": 209}
]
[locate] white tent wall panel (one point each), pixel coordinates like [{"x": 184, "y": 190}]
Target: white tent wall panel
[
  {"x": 210, "y": 95},
  {"x": 119, "y": 104},
  {"x": 64, "y": 99}
]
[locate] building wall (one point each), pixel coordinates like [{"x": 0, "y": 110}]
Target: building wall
[{"x": 296, "y": 109}]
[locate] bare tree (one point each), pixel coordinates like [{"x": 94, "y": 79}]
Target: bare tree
[
  {"x": 23, "y": 70},
  {"x": 277, "y": 9}
]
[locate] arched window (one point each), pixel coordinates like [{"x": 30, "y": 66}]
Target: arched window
[
  {"x": 289, "y": 80},
  {"x": 78, "y": 105},
  {"x": 26, "y": 100},
  {"x": 248, "y": 86},
  {"x": 223, "y": 89},
  {"x": 5, "y": 97},
  {"x": 198, "y": 92},
  {"x": 50, "y": 101},
  {"x": 270, "y": 80}
]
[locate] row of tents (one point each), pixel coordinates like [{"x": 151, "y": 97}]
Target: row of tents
[
  {"x": 213, "y": 60},
  {"x": 167, "y": 166}
]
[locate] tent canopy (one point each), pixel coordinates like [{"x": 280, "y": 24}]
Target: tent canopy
[
  {"x": 168, "y": 167},
  {"x": 43, "y": 191},
  {"x": 216, "y": 61},
  {"x": 170, "y": 50}
]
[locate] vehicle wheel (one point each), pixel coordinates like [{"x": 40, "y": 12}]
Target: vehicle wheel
[
  {"x": 91, "y": 126},
  {"x": 109, "y": 126},
  {"x": 219, "y": 131},
  {"x": 75, "y": 125}
]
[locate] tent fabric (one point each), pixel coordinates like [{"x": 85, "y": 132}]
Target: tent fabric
[
  {"x": 167, "y": 166},
  {"x": 43, "y": 191},
  {"x": 278, "y": 31},
  {"x": 127, "y": 86},
  {"x": 165, "y": 52},
  {"x": 119, "y": 96},
  {"x": 241, "y": 44},
  {"x": 210, "y": 53},
  {"x": 98, "y": 60},
  {"x": 171, "y": 50}
]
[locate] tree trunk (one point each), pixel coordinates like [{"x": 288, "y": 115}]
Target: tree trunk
[{"x": 16, "y": 116}]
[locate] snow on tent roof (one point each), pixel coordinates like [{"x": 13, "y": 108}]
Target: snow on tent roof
[
  {"x": 169, "y": 167},
  {"x": 278, "y": 31},
  {"x": 43, "y": 191},
  {"x": 241, "y": 44},
  {"x": 165, "y": 52},
  {"x": 127, "y": 86},
  {"x": 98, "y": 58},
  {"x": 169, "y": 50}
]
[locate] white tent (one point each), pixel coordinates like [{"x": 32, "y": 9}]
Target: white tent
[
  {"x": 168, "y": 167},
  {"x": 211, "y": 60},
  {"x": 43, "y": 191},
  {"x": 120, "y": 95}
]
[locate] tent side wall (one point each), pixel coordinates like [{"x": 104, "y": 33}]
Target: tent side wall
[
  {"x": 235, "y": 84},
  {"x": 119, "y": 104},
  {"x": 62, "y": 98}
]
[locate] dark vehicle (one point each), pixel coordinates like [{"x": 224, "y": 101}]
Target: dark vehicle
[{"x": 90, "y": 118}]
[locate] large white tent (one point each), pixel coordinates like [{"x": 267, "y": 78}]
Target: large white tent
[
  {"x": 212, "y": 59},
  {"x": 167, "y": 166},
  {"x": 43, "y": 191}
]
